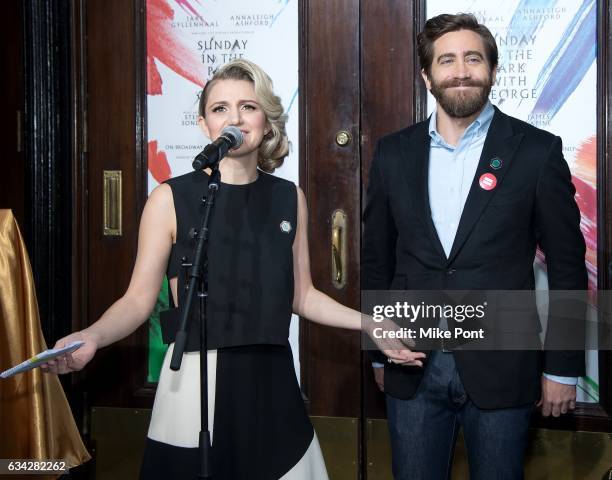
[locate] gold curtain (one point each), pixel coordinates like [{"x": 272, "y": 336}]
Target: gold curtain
[{"x": 35, "y": 419}]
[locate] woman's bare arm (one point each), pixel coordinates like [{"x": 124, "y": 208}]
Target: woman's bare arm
[
  {"x": 314, "y": 305},
  {"x": 155, "y": 238}
]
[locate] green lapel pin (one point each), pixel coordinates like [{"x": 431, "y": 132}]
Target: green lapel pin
[{"x": 495, "y": 163}]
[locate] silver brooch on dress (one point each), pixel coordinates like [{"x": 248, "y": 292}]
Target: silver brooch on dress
[{"x": 285, "y": 226}]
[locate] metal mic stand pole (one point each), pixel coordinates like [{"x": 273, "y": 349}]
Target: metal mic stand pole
[{"x": 197, "y": 279}]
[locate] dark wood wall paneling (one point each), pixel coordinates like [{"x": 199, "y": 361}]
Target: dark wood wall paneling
[
  {"x": 12, "y": 180},
  {"x": 330, "y": 177},
  {"x": 389, "y": 82},
  {"x": 115, "y": 48}
]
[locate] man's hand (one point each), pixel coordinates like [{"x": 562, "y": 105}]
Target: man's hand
[
  {"x": 557, "y": 398},
  {"x": 379, "y": 377},
  {"x": 396, "y": 350}
]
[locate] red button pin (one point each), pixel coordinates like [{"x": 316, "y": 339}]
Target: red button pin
[{"x": 487, "y": 181}]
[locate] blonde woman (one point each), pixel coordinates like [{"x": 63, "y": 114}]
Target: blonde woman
[{"x": 259, "y": 272}]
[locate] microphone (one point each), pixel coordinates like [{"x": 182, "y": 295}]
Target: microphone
[{"x": 231, "y": 137}]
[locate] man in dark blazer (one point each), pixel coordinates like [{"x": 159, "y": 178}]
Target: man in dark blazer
[{"x": 461, "y": 202}]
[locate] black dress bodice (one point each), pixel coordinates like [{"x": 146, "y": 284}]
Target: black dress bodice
[{"x": 250, "y": 260}]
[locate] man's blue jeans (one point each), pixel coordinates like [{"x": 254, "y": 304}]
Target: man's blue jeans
[{"x": 424, "y": 429}]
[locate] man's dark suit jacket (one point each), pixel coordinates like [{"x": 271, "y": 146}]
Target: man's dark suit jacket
[{"x": 494, "y": 248}]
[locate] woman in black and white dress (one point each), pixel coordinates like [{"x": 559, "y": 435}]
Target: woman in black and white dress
[{"x": 259, "y": 273}]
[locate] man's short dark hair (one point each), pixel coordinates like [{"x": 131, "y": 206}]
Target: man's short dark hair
[{"x": 437, "y": 26}]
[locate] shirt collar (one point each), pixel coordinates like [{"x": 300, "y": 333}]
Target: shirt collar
[{"x": 480, "y": 125}]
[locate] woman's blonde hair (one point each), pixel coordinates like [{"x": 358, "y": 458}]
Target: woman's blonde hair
[{"x": 275, "y": 144}]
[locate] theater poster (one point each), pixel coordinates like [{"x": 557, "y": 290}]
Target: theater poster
[
  {"x": 186, "y": 41},
  {"x": 547, "y": 76}
]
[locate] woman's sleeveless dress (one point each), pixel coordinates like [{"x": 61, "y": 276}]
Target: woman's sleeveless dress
[{"x": 260, "y": 428}]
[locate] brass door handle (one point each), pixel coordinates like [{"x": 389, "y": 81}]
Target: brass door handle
[
  {"x": 336, "y": 234},
  {"x": 338, "y": 249}
]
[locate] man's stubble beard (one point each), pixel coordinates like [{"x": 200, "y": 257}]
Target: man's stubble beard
[{"x": 461, "y": 104}]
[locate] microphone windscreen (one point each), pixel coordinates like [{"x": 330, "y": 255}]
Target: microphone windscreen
[{"x": 234, "y": 134}]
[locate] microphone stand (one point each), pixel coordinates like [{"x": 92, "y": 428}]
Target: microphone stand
[{"x": 198, "y": 279}]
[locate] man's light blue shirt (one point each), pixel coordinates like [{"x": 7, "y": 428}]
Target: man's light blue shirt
[{"x": 451, "y": 173}]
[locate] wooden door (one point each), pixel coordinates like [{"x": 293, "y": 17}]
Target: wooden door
[
  {"x": 392, "y": 98},
  {"x": 329, "y": 175},
  {"x": 108, "y": 65},
  {"x": 358, "y": 75}
]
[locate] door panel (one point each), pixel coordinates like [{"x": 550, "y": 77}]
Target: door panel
[
  {"x": 330, "y": 357},
  {"x": 388, "y": 79},
  {"x": 114, "y": 49}
]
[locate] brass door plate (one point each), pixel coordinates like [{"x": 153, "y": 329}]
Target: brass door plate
[
  {"x": 339, "y": 440},
  {"x": 112, "y": 214}
]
